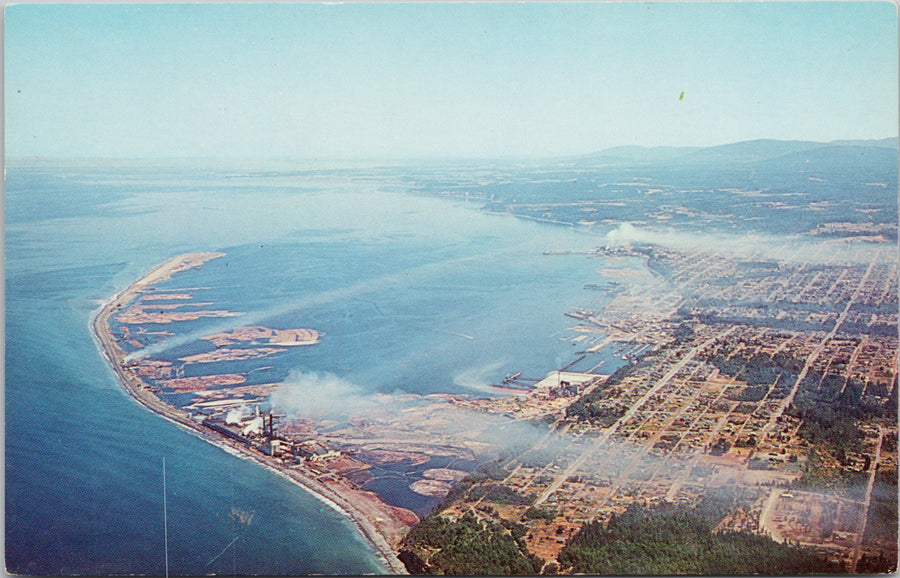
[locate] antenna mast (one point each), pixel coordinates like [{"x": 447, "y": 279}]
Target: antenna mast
[{"x": 165, "y": 519}]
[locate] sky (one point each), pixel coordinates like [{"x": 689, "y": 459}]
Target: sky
[{"x": 413, "y": 80}]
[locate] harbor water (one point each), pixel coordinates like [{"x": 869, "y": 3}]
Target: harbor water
[{"x": 413, "y": 295}]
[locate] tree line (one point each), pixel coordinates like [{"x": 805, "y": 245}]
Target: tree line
[{"x": 679, "y": 539}]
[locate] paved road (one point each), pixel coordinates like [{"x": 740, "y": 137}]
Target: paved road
[
  {"x": 864, "y": 519},
  {"x": 812, "y": 357},
  {"x": 602, "y": 439}
]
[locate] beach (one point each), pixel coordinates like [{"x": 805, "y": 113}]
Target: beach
[{"x": 381, "y": 524}]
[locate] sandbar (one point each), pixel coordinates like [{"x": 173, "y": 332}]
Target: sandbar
[{"x": 381, "y": 524}]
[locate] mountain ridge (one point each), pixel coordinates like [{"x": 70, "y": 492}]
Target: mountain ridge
[{"x": 741, "y": 152}]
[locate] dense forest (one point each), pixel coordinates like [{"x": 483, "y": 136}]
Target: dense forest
[
  {"x": 468, "y": 546},
  {"x": 664, "y": 540},
  {"x": 677, "y": 539}
]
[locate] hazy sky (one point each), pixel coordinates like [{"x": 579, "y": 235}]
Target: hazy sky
[{"x": 460, "y": 79}]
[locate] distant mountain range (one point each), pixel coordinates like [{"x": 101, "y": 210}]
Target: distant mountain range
[{"x": 746, "y": 152}]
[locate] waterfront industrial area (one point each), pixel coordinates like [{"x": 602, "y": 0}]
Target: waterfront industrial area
[
  {"x": 728, "y": 396},
  {"x": 733, "y": 368}
]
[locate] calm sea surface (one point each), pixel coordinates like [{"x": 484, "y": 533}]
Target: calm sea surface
[{"x": 414, "y": 295}]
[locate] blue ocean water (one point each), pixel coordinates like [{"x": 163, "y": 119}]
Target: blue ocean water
[{"x": 414, "y": 294}]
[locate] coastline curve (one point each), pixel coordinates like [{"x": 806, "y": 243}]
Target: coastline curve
[{"x": 383, "y": 531}]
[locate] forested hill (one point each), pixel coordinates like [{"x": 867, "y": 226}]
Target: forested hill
[
  {"x": 838, "y": 189},
  {"x": 674, "y": 539},
  {"x": 743, "y": 152}
]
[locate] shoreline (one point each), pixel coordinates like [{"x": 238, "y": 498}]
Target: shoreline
[{"x": 378, "y": 532}]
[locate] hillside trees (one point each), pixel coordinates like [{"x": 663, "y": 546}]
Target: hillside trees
[
  {"x": 678, "y": 539},
  {"x": 467, "y": 546}
]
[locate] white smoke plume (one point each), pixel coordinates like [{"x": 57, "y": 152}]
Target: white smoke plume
[
  {"x": 787, "y": 248},
  {"x": 478, "y": 378},
  {"x": 318, "y": 395},
  {"x": 237, "y": 414}
]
